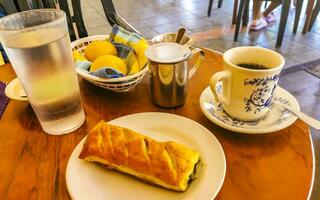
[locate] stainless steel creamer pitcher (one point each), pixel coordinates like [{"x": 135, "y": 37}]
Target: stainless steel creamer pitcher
[{"x": 169, "y": 73}]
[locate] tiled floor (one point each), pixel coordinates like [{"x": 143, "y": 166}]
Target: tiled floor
[
  {"x": 152, "y": 17},
  {"x": 216, "y": 32}
]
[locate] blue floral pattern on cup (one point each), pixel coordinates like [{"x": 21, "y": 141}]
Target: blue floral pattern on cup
[{"x": 261, "y": 96}]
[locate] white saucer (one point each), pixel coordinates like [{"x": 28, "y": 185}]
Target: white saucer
[
  {"x": 14, "y": 90},
  {"x": 87, "y": 180},
  {"x": 276, "y": 119}
]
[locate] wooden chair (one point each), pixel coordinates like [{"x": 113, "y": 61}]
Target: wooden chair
[
  {"x": 114, "y": 18},
  {"x": 283, "y": 18},
  {"x": 210, "y": 6},
  {"x": 76, "y": 20},
  {"x": 298, "y": 5},
  {"x": 235, "y": 8},
  {"x": 312, "y": 13},
  {"x": 76, "y": 25},
  {"x": 246, "y": 12},
  {"x": 235, "y": 11},
  {"x": 72, "y": 21}
]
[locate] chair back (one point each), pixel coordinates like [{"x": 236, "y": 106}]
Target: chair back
[
  {"x": 76, "y": 25},
  {"x": 114, "y": 18},
  {"x": 75, "y": 22}
]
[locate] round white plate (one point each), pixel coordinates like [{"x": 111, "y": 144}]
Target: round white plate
[
  {"x": 87, "y": 180},
  {"x": 276, "y": 119},
  {"x": 14, "y": 90}
]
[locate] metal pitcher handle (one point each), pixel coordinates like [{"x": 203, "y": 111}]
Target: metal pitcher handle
[{"x": 196, "y": 66}]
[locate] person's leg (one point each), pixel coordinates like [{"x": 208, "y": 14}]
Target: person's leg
[
  {"x": 258, "y": 22},
  {"x": 268, "y": 13},
  {"x": 256, "y": 10},
  {"x": 274, "y": 4}
]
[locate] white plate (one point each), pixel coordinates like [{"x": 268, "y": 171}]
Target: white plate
[
  {"x": 14, "y": 90},
  {"x": 90, "y": 181},
  {"x": 276, "y": 119}
]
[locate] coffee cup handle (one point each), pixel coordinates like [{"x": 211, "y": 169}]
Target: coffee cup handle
[
  {"x": 219, "y": 76},
  {"x": 196, "y": 66}
]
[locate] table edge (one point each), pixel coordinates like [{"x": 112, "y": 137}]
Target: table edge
[
  {"x": 214, "y": 51},
  {"x": 313, "y": 166}
]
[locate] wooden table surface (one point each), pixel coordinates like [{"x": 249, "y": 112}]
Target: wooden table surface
[{"x": 279, "y": 165}]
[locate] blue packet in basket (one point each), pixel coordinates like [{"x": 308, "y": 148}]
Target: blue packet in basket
[
  {"x": 84, "y": 65},
  {"x": 107, "y": 72},
  {"x": 133, "y": 40}
]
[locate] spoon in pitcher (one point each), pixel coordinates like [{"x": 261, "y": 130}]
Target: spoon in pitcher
[
  {"x": 180, "y": 34},
  {"x": 304, "y": 117}
]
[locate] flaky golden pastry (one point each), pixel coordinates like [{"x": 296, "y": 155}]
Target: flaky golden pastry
[{"x": 166, "y": 164}]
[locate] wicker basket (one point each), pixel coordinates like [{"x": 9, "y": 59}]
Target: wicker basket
[{"x": 122, "y": 84}]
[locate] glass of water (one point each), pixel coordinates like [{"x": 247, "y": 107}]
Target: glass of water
[{"x": 38, "y": 46}]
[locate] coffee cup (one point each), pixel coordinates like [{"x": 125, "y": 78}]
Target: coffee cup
[{"x": 249, "y": 80}]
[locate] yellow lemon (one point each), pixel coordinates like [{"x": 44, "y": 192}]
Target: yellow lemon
[
  {"x": 78, "y": 56},
  {"x": 109, "y": 61},
  {"x": 99, "y": 48}
]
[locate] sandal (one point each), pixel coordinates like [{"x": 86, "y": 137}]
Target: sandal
[
  {"x": 258, "y": 25},
  {"x": 270, "y": 18}
]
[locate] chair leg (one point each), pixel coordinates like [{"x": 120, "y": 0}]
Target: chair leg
[
  {"x": 245, "y": 17},
  {"x": 314, "y": 15},
  {"x": 65, "y": 7},
  {"x": 235, "y": 8},
  {"x": 220, "y": 3},
  {"x": 77, "y": 18},
  {"x": 308, "y": 18},
  {"x": 210, "y": 7},
  {"x": 297, "y": 15},
  {"x": 283, "y": 21},
  {"x": 16, "y": 4},
  {"x": 239, "y": 17}
]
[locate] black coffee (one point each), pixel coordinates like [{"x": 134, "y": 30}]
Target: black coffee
[{"x": 252, "y": 66}]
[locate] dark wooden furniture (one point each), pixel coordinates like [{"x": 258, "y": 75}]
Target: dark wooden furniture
[
  {"x": 246, "y": 12},
  {"x": 312, "y": 13},
  {"x": 235, "y": 9},
  {"x": 76, "y": 19},
  {"x": 114, "y": 18},
  {"x": 210, "y": 6},
  {"x": 283, "y": 18},
  {"x": 279, "y": 165},
  {"x": 298, "y": 5},
  {"x": 73, "y": 20},
  {"x": 308, "y": 17}
]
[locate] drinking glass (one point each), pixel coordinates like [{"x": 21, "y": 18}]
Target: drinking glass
[{"x": 38, "y": 46}]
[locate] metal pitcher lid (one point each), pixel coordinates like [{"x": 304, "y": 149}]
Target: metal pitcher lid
[{"x": 167, "y": 52}]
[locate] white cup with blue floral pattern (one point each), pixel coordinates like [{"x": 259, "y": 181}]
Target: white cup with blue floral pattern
[{"x": 249, "y": 79}]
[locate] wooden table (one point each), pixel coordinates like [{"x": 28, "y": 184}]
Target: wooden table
[{"x": 32, "y": 163}]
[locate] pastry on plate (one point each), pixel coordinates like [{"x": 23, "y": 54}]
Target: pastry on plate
[{"x": 167, "y": 164}]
